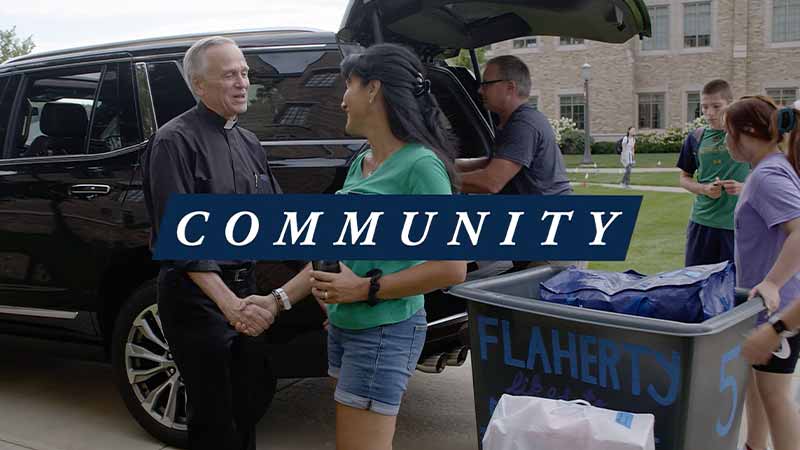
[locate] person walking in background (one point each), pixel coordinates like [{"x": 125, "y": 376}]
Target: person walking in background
[
  {"x": 627, "y": 157},
  {"x": 709, "y": 235},
  {"x": 767, "y": 222}
]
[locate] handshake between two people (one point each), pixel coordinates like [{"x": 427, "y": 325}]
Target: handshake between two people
[{"x": 255, "y": 314}]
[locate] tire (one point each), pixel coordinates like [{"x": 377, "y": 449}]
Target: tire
[{"x": 145, "y": 374}]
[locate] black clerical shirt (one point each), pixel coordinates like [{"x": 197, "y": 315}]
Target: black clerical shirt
[{"x": 200, "y": 152}]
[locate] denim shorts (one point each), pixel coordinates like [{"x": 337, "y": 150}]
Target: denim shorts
[{"x": 373, "y": 365}]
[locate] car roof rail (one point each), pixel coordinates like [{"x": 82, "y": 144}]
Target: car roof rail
[{"x": 161, "y": 40}]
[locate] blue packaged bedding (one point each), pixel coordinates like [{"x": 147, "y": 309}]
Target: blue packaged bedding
[{"x": 688, "y": 295}]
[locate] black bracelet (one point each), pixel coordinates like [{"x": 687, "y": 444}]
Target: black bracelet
[{"x": 374, "y": 286}]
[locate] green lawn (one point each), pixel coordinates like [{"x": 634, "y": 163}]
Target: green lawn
[
  {"x": 659, "y": 237},
  {"x": 642, "y": 160},
  {"x": 644, "y": 179}
]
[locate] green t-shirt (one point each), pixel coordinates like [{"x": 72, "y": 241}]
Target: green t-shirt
[
  {"x": 714, "y": 161},
  {"x": 411, "y": 170}
]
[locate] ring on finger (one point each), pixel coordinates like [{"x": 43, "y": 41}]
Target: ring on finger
[{"x": 326, "y": 294}]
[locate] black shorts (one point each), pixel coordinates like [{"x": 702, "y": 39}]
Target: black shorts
[
  {"x": 778, "y": 365},
  {"x": 707, "y": 245}
]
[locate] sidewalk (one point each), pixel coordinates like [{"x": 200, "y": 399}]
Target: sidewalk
[
  {"x": 635, "y": 187},
  {"x": 621, "y": 170}
]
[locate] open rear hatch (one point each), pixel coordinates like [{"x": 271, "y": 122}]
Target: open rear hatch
[{"x": 432, "y": 27}]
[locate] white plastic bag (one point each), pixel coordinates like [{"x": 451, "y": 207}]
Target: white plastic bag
[{"x": 533, "y": 423}]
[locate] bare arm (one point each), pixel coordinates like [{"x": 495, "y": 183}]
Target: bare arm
[
  {"x": 788, "y": 262},
  {"x": 470, "y": 164},
  {"x": 791, "y": 316},
  {"x": 785, "y": 267},
  {"x": 347, "y": 287},
  {"x": 760, "y": 344},
  {"x": 687, "y": 182},
  {"x": 491, "y": 179},
  {"x": 422, "y": 278},
  {"x": 298, "y": 288}
]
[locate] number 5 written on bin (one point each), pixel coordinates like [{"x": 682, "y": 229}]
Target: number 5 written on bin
[{"x": 728, "y": 382}]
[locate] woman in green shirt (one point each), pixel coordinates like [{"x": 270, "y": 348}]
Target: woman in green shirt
[{"x": 374, "y": 346}]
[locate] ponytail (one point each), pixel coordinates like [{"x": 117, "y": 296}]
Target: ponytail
[
  {"x": 413, "y": 112},
  {"x": 787, "y": 125}
]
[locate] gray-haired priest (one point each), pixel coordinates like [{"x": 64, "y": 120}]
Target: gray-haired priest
[{"x": 205, "y": 151}]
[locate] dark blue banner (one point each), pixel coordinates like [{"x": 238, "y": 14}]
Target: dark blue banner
[{"x": 430, "y": 227}]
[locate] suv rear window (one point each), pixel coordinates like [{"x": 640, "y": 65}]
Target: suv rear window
[{"x": 295, "y": 95}]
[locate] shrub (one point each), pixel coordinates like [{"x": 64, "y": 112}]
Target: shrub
[
  {"x": 603, "y": 148},
  {"x": 572, "y": 142},
  {"x": 569, "y": 138},
  {"x": 562, "y": 125},
  {"x": 657, "y": 147}
]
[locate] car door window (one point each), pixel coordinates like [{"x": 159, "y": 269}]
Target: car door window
[
  {"x": 8, "y": 89},
  {"x": 61, "y": 107},
  {"x": 55, "y": 111},
  {"x": 114, "y": 121},
  {"x": 295, "y": 95},
  {"x": 171, "y": 95}
]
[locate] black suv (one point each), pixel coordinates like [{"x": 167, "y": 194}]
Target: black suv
[{"x": 74, "y": 262}]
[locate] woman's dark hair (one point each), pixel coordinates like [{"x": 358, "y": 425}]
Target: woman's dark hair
[
  {"x": 414, "y": 113},
  {"x": 628, "y": 133},
  {"x": 760, "y": 118}
]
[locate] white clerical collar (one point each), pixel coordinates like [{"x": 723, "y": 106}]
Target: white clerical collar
[{"x": 230, "y": 123}]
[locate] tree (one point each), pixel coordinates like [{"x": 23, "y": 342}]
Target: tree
[
  {"x": 464, "y": 60},
  {"x": 11, "y": 46}
]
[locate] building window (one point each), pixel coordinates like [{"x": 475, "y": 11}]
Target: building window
[
  {"x": 573, "y": 107},
  {"x": 534, "y": 101},
  {"x": 295, "y": 95},
  {"x": 295, "y": 115},
  {"x": 693, "y": 109},
  {"x": 697, "y": 25},
  {"x": 783, "y": 96},
  {"x": 324, "y": 79},
  {"x": 565, "y": 40},
  {"x": 659, "y": 17},
  {"x": 529, "y": 42},
  {"x": 651, "y": 110},
  {"x": 785, "y": 20}
]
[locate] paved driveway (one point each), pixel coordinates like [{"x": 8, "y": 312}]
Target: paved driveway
[{"x": 50, "y": 402}]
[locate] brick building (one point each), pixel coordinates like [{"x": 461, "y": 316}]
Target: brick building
[{"x": 655, "y": 83}]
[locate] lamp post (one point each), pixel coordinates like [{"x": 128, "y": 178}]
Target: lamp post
[{"x": 586, "y": 75}]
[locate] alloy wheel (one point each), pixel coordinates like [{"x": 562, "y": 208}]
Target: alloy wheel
[{"x": 152, "y": 373}]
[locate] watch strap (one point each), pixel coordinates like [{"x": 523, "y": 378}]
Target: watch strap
[
  {"x": 374, "y": 286},
  {"x": 283, "y": 298}
]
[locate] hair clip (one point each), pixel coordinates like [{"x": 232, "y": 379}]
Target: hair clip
[
  {"x": 787, "y": 120},
  {"x": 422, "y": 86}
]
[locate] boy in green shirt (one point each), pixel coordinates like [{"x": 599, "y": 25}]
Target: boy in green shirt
[{"x": 709, "y": 236}]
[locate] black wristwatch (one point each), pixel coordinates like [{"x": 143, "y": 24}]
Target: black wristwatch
[
  {"x": 779, "y": 326},
  {"x": 374, "y": 286}
]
